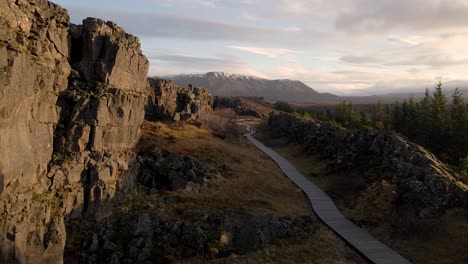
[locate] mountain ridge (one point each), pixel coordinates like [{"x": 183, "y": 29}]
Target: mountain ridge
[{"x": 230, "y": 84}]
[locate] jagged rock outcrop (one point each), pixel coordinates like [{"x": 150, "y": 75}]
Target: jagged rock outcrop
[
  {"x": 145, "y": 238},
  {"x": 102, "y": 111},
  {"x": 170, "y": 102},
  {"x": 163, "y": 170},
  {"x": 103, "y": 52},
  {"x": 34, "y": 70},
  {"x": 425, "y": 185},
  {"x": 66, "y": 134},
  {"x": 236, "y": 104}
]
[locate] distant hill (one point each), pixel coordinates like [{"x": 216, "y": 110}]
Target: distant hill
[{"x": 226, "y": 84}]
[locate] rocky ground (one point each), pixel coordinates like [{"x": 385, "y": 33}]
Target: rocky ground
[
  {"x": 371, "y": 192},
  {"x": 425, "y": 186}
]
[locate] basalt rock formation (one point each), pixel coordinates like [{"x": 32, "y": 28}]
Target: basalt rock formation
[
  {"x": 425, "y": 186},
  {"x": 72, "y": 104},
  {"x": 236, "y": 104},
  {"x": 168, "y": 101},
  {"x": 34, "y": 52},
  {"x": 163, "y": 170},
  {"x": 144, "y": 238}
]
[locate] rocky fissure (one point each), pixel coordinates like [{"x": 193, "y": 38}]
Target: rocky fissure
[{"x": 425, "y": 187}]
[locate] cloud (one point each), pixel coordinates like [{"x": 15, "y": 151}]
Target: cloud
[
  {"x": 193, "y": 28},
  {"x": 167, "y": 62},
  {"x": 435, "y": 52},
  {"x": 269, "y": 52},
  {"x": 340, "y": 46},
  {"x": 205, "y": 3},
  {"x": 291, "y": 72},
  {"x": 377, "y": 17},
  {"x": 359, "y": 59},
  {"x": 192, "y": 60}
]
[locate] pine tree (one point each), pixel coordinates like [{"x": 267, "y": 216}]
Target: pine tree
[
  {"x": 459, "y": 135},
  {"x": 396, "y": 117},
  {"x": 440, "y": 120}
]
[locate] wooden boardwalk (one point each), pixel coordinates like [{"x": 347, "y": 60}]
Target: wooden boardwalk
[{"x": 326, "y": 210}]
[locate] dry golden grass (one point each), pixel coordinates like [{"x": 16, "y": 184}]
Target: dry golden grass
[
  {"x": 442, "y": 241},
  {"x": 253, "y": 184},
  {"x": 219, "y": 120}
]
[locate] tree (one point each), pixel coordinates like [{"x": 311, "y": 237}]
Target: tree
[
  {"x": 307, "y": 115},
  {"x": 283, "y": 106},
  {"x": 424, "y": 121},
  {"x": 440, "y": 120},
  {"x": 459, "y": 118},
  {"x": 396, "y": 117}
]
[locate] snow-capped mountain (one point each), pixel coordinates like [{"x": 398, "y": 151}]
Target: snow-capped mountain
[{"x": 228, "y": 84}]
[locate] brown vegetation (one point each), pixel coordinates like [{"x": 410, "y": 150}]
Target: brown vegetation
[
  {"x": 252, "y": 183},
  {"x": 219, "y": 120}
]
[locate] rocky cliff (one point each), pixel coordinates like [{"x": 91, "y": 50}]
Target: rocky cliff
[
  {"x": 424, "y": 184},
  {"x": 34, "y": 52},
  {"x": 72, "y": 103},
  {"x": 168, "y": 101}
]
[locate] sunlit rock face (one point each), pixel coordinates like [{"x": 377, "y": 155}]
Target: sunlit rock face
[
  {"x": 168, "y": 101},
  {"x": 71, "y": 106},
  {"x": 34, "y": 65}
]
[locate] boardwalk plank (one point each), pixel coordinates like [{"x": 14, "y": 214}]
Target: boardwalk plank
[{"x": 326, "y": 210}]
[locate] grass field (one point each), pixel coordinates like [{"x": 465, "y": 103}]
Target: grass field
[{"x": 252, "y": 183}]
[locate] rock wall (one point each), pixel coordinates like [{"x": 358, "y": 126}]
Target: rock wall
[
  {"x": 168, "y": 101},
  {"x": 34, "y": 66},
  {"x": 145, "y": 238},
  {"x": 424, "y": 183},
  {"x": 71, "y": 106}
]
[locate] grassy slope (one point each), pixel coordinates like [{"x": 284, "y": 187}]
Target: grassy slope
[
  {"x": 443, "y": 241},
  {"x": 254, "y": 184}
]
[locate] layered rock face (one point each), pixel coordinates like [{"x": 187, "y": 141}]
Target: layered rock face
[
  {"x": 170, "y": 102},
  {"x": 67, "y": 123},
  {"x": 34, "y": 67},
  {"x": 425, "y": 185}
]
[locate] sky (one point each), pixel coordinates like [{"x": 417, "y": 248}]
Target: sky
[{"x": 346, "y": 47}]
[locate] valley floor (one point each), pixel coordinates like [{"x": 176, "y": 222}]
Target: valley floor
[{"x": 252, "y": 183}]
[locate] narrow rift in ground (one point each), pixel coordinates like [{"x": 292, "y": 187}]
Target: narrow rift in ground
[
  {"x": 437, "y": 241},
  {"x": 253, "y": 184}
]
